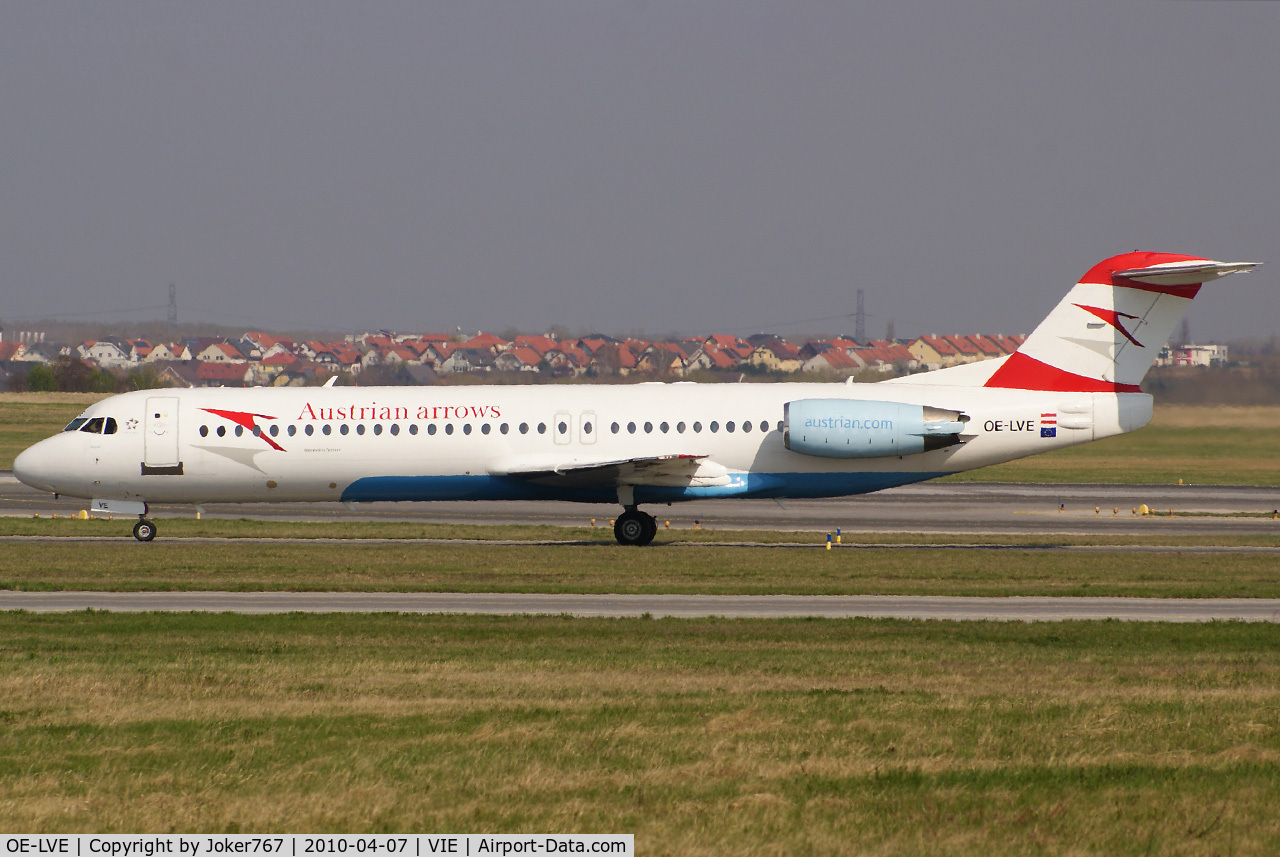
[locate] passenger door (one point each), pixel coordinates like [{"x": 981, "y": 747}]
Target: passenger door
[{"x": 160, "y": 443}]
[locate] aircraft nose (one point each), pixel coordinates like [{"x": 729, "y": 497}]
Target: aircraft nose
[{"x": 30, "y": 467}]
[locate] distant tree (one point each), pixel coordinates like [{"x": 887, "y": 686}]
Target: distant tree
[
  {"x": 1184, "y": 332},
  {"x": 102, "y": 381},
  {"x": 74, "y": 376},
  {"x": 144, "y": 378},
  {"x": 40, "y": 379}
]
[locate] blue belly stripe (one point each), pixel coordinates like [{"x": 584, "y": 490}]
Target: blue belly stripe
[{"x": 764, "y": 485}]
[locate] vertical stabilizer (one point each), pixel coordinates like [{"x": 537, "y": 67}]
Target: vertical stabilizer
[{"x": 1107, "y": 331}]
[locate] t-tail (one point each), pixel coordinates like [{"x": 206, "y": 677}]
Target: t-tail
[{"x": 1107, "y": 331}]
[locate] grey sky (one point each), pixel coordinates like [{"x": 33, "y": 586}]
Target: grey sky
[{"x": 662, "y": 167}]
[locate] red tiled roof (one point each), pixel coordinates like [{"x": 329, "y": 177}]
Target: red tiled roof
[
  {"x": 484, "y": 340},
  {"x": 838, "y": 358},
  {"x": 939, "y": 344},
  {"x": 527, "y": 356},
  {"x": 961, "y": 344}
]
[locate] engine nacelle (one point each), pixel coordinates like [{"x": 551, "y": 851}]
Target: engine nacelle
[{"x": 853, "y": 428}]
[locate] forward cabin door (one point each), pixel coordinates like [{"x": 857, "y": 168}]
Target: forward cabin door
[{"x": 160, "y": 443}]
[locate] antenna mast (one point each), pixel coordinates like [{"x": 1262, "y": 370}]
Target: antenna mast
[
  {"x": 860, "y": 322},
  {"x": 173, "y": 304}
]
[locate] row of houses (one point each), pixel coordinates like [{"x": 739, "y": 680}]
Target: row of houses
[{"x": 259, "y": 358}]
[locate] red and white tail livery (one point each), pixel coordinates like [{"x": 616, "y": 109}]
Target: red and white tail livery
[
  {"x": 1106, "y": 333},
  {"x": 1074, "y": 380}
]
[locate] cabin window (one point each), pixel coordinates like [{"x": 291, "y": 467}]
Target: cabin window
[
  {"x": 75, "y": 424},
  {"x": 466, "y": 428},
  {"x": 431, "y": 429},
  {"x": 292, "y": 430},
  {"x": 697, "y": 427},
  {"x": 503, "y": 428},
  {"x": 204, "y": 431},
  {"x": 448, "y": 428},
  {"x": 664, "y": 428},
  {"x": 746, "y": 425},
  {"x": 680, "y": 427},
  {"x": 542, "y": 428},
  {"x": 257, "y": 432},
  {"x": 377, "y": 428},
  {"x": 486, "y": 428},
  {"x": 524, "y": 428},
  {"x": 326, "y": 429},
  {"x": 222, "y": 431},
  {"x": 413, "y": 428},
  {"x": 344, "y": 428},
  {"x": 728, "y": 426},
  {"x": 275, "y": 431},
  {"x": 395, "y": 429},
  {"x": 779, "y": 425},
  {"x": 631, "y": 428},
  {"x": 615, "y": 428},
  {"x": 715, "y": 426},
  {"x": 648, "y": 428},
  {"x": 309, "y": 430},
  {"x": 764, "y": 425},
  {"x": 562, "y": 427},
  {"x": 239, "y": 431},
  {"x": 586, "y": 427}
]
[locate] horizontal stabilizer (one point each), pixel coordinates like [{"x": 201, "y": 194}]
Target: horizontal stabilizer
[{"x": 1185, "y": 273}]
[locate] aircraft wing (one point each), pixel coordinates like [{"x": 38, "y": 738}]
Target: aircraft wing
[{"x": 676, "y": 470}]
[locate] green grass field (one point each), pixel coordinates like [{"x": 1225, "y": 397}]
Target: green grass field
[
  {"x": 700, "y": 737},
  {"x": 124, "y": 565},
  {"x": 26, "y": 418}
]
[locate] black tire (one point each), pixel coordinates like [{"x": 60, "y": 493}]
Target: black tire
[
  {"x": 144, "y": 530},
  {"x": 635, "y": 528},
  {"x": 650, "y": 528}
]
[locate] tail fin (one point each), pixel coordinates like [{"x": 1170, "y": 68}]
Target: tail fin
[{"x": 1107, "y": 331}]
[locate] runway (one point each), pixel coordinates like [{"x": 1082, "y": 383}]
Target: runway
[
  {"x": 930, "y": 508},
  {"x": 1026, "y": 609},
  {"x": 934, "y": 507}
]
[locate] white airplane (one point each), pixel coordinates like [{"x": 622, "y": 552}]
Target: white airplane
[{"x": 1074, "y": 380}]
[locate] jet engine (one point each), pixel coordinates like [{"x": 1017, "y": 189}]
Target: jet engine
[{"x": 852, "y": 428}]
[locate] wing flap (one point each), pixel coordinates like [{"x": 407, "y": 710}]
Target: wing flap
[{"x": 676, "y": 470}]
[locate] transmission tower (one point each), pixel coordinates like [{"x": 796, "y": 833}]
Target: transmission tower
[
  {"x": 173, "y": 304},
  {"x": 860, "y": 322}
]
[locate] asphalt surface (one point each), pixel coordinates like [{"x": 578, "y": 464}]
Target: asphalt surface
[
  {"x": 1028, "y": 609},
  {"x": 929, "y": 508},
  {"x": 925, "y": 508}
]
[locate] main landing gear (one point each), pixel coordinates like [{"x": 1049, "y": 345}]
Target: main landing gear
[
  {"x": 634, "y": 527},
  {"x": 144, "y": 530}
]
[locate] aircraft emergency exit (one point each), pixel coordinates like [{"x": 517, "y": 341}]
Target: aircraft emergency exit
[{"x": 1074, "y": 380}]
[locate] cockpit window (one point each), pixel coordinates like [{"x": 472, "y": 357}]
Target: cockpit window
[
  {"x": 93, "y": 426},
  {"x": 110, "y": 427},
  {"x": 75, "y": 424}
]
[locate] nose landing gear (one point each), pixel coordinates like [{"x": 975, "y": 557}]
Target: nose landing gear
[{"x": 634, "y": 527}]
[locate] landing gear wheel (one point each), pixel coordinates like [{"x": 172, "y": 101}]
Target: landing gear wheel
[
  {"x": 634, "y": 527},
  {"x": 144, "y": 530}
]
